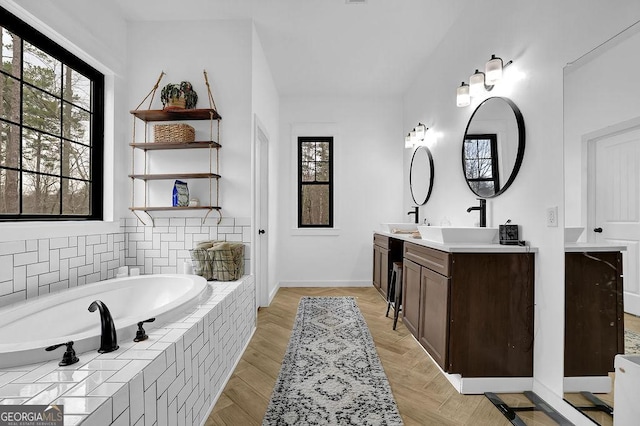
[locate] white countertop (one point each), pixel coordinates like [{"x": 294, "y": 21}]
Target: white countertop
[
  {"x": 581, "y": 247},
  {"x": 460, "y": 247}
]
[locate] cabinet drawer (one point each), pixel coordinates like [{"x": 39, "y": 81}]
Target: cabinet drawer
[
  {"x": 436, "y": 260},
  {"x": 381, "y": 240}
]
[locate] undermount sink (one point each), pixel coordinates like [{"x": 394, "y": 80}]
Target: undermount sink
[
  {"x": 450, "y": 234},
  {"x": 399, "y": 227}
]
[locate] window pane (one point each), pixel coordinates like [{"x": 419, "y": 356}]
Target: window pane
[
  {"x": 307, "y": 151},
  {"x": 75, "y": 197},
  {"x": 40, "y": 194},
  {"x": 41, "y": 111},
  {"x": 9, "y": 145},
  {"x": 308, "y": 171},
  {"x": 483, "y": 188},
  {"x": 11, "y": 53},
  {"x": 76, "y": 161},
  {"x": 322, "y": 171},
  {"x": 484, "y": 148},
  {"x": 10, "y": 98},
  {"x": 315, "y": 205},
  {"x": 40, "y": 152},
  {"x": 42, "y": 70},
  {"x": 322, "y": 151},
  {"x": 76, "y": 88},
  {"x": 76, "y": 124},
  {"x": 470, "y": 149},
  {"x": 471, "y": 169},
  {"x": 484, "y": 169},
  {"x": 9, "y": 191}
]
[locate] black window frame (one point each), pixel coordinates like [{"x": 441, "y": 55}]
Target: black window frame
[
  {"x": 495, "y": 173},
  {"x": 34, "y": 37},
  {"x": 301, "y": 184}
]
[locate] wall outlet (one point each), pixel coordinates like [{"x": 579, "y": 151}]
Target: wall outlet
[{"x": 552, "y": 216}]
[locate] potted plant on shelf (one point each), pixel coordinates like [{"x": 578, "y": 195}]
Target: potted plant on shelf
[{"x": 178, "y": 96}]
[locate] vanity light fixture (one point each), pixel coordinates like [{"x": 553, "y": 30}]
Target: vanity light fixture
[
  {"x": 463, "y": 98},
  {"x": 416, "y": 136},
  {"x": 479, "y": 82}
]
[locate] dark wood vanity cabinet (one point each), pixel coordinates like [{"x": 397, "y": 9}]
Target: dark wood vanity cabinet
[
  {"x": 594, "y": 314},
  {"x": 386, "y": 250},
  {"x": 474, "y": 311}
]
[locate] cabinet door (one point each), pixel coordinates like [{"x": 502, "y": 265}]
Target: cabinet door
[
  {"x": 594, "y": 331},
  {"x": 411, "y": 296},
  {"x": 376, "y": 266},
  {"x": 384, "y": 271},
  {"x": 434, "y": 315}
]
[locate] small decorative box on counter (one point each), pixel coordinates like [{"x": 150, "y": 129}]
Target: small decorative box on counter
[{"x": 171, "y": 133}]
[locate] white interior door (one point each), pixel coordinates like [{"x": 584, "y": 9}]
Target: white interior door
[
  {"x": 617, "y": 204},
  {"x": 261, "y": 231}
]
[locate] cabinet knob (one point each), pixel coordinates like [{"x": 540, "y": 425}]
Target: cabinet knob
[
  {"x": 598, "y": 230},
  {"x": 261, "y": 231}
]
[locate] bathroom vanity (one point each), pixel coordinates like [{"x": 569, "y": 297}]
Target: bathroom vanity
[
  {"x": 471, "y": 306},
  {"x": 386, "y": 250}
]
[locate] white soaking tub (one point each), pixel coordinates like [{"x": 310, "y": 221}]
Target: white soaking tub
[{"x": 27, "y": 328}]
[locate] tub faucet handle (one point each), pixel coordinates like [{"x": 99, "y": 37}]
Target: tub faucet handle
[
  {"x": 69, "y": 356},
  {"x": 140, "y": 334}
]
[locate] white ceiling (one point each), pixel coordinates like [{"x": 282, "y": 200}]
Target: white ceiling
[{"x": 327, "y": 47}]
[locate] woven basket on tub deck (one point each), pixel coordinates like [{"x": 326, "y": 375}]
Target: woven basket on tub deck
[{"x": 169, "y": 133}]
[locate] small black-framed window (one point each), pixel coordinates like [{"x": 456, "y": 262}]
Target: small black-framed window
[
  {"x": 315, "y": 182},
  {"x": 51, "y": 129},
  {"x": 481, "y": 164}
]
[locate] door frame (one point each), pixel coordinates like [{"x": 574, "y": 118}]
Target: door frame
[{"x": 260, "y": 263}]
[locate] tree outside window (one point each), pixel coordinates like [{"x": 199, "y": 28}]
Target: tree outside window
[{"x": 481, "y": 164}]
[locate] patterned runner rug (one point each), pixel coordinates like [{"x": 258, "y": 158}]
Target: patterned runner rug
[{"x": 331, "y": 373}]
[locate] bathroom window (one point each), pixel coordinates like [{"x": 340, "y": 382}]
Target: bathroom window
[
  {"x": 315, "y": 182},
  {"x": 481, "y": 164},
  {"x": 51, "y": 129}
]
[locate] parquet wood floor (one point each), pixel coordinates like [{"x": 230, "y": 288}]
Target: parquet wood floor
[{"x": 423, "y": 394}]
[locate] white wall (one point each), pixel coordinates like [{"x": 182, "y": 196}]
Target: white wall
[
  {"x": 223, "y": 49},
  {"x": 540, "y": 37},
  {"x": 368, "y": 141},
  {"x": 600, "y": 90},
  {"x": 265, "y": 104}
]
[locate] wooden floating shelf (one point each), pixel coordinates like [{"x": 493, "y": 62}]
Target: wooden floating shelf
[
  {"x": 157, "y": 209},
  {"x": 165, "y": 176},
  {"x": 176, "y": 145},
  {"x": 176, "y": 114}
]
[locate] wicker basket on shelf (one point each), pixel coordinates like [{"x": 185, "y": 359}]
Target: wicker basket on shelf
[{"x": 171, "y": 133}]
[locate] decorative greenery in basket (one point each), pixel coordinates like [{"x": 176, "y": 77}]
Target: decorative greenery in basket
[{"x": 178, "y": 96}]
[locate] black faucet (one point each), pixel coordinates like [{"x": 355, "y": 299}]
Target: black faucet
[
  {"x": 108, "y": 338},
  {"x": 483, "y": 212},
  {"x": 69, "y": 356},
  {"x": 415, "y": 212}
]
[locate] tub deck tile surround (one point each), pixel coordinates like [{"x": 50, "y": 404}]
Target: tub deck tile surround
[{"x": 173, "y": 378}]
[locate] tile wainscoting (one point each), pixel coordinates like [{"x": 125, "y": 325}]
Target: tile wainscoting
[
  {"x": 29, "y": 268},
  {"x": 173, "y": 378}
]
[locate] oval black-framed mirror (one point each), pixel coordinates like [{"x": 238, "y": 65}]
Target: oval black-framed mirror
[
  {"x": 421, "y": 175},
  {"x": 493, "y": 147}
]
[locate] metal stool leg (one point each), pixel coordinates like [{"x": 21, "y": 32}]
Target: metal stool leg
[
  {"x": 391, "y": 291},
  {"x": 398, "y": 295}
]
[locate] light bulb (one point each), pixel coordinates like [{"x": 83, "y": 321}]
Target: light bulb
[
  {"x": 408, "y": 143},
  {"x": 420, "y": 130},
  {"x": 476, "y": 84},
  {"x": 493, "y": 70},
  {"x": 462, "y": 95}
]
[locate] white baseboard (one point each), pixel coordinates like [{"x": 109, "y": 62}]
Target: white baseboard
[
  {"x": 326, "y": 284},
  {"x": 594, "y": 384}
]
